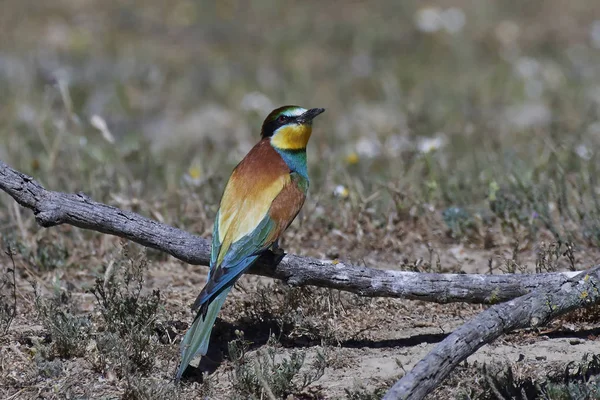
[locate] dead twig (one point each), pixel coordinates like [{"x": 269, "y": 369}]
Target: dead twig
[{"x": 534, "y": 309}]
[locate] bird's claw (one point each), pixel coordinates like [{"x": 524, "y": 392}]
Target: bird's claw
[
  {"x": 274, "y": 255},
  {"x": 276, "y": 250}
]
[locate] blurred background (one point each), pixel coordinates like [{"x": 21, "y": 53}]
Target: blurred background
[{"x": 455, "y": 113}]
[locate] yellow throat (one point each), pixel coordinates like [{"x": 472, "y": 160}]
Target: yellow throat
[{"x": 292, "y": 137}]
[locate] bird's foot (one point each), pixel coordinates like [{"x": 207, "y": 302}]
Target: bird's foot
[
  {"x": 276, "y": 250},
  {"x": 274, "y": 257}
]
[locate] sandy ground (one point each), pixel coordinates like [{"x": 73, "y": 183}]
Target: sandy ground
[{"x": 368, "y": 342}]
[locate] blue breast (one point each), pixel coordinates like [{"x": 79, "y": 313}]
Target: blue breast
[{"x": 295, "y": 160}]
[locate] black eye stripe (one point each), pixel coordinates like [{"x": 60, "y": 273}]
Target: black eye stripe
[
  {"x": 285, "y": 118},
  {"x": 277, "y": 118},
  {"x": 270, "y": 127}
]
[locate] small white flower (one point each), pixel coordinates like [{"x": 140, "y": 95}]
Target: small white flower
[
  {"x": 194, "y": 175},
  {"x": 584, "y": 152},
  {"x": 341, "y": 191},
  {"x": 428, "y": 19},
  {"x": 427, "y": 145},
  {"x": 527, "y": 67},
  {"x": 453, "y": 19},
  {"x": 368, "y": 148}
]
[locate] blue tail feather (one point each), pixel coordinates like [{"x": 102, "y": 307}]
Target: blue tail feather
[{"x": 196, "y": 339}]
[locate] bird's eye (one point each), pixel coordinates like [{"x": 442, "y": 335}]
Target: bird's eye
[{"x": 282, "y": 119}]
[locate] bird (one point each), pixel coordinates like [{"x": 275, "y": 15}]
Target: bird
[{"x": 262, "y": 197}]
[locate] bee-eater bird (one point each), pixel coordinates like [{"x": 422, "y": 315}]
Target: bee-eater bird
[{"x": 261, "y": 199}]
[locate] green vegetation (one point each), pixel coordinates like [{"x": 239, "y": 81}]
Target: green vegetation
[
  {"x": 577, "y": 380},
  {"x": 68, "y": 333},
  {"x": 360, "y": 393},
  {"x": 8, "y": 296},
  {"x": 267, "y": 375},
  {"x": 121, "y": 340},
  {"x": 128, "y": 316}
]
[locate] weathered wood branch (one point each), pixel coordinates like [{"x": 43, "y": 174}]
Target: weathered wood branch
[
  {"x": 55, "y": 208},
  {"x": 534, "y": 309}
]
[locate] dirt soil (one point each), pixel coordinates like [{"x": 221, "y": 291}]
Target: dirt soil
[{"x": 368, "y": 344}]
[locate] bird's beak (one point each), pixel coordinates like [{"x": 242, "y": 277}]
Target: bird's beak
[{"x": 308, "y": 116}]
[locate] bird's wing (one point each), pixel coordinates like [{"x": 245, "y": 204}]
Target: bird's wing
[
  {"x": 234, "y": 258},
  {"x": 257, "y": 206}
]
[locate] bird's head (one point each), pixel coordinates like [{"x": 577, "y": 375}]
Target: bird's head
[{"x": 289, "y": 127}]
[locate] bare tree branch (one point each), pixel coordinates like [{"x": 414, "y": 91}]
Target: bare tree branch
[
  {"x": 55, "y": 208},
  {"x": 534, "y": 309}
]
